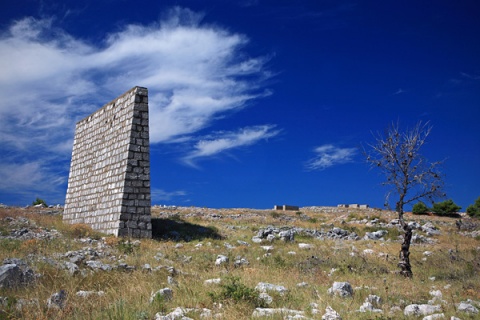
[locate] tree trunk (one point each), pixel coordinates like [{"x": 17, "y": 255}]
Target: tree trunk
[{"x": 404, "y": 258}]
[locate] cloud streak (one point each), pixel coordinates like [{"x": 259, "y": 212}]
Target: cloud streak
[
  {"x": 162, "y": 195},
  {"x": 50, "y": 79},
  {"x": 223, "y": 141},
  {"x": 328, "y": 155}
]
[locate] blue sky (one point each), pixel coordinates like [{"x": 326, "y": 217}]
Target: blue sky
[{"x": 252, "y": 103}]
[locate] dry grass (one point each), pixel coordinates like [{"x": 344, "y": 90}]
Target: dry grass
[{"x": 455, "y": 264}]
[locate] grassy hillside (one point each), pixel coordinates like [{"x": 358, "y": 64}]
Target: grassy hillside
[{"x": 122, "y": 274}]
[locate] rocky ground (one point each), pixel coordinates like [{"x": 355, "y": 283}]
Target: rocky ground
[{"x": 198, "y": 248}]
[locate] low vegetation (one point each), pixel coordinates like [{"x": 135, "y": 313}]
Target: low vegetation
[{"x": 183, "y": 256}]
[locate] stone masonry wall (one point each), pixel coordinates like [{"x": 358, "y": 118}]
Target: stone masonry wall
[{"x": 109, "y": 181}]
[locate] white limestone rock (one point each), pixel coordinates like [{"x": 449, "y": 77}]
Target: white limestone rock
[
  {"x": 421, "y": 309},
  {"x": 342, "y": 289},
  {"x": 165, "y": 294},
  {"x": 331, "y": 314}
]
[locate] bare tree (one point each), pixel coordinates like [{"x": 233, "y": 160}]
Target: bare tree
[{"x": 408, "y": 175}]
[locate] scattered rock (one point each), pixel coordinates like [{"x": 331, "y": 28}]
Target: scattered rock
[
  {"x": 213, "y": 281},
  {"x": 256, "y": 239},
  {"x": 287, "y": 235},
  {"x": 430, "y": 229},
  {"x": 270, "y": 312},
  {"x": 57, "y": 300},
  {"x": 243, "y": 243},
  {"x": 434, "y": 316},
  {"x": 265, "y": 298},
  {"x": 368, "y": 252},
  {"x": 467, "y": 308},
  {"x": 86, "y": 294},
  {"x": 239, "y": 262},
  {"x": 331, "y": 314},
  {"x": 171, "y": 281},
  {"x": 180, "y": 313},
  {"x": 264, "y": 287},
  {"x": 342, "y": 289},
  {"x": 376, "y": 235},
  {"x": 305, "y": 246},
  {"x": 71, "y": 267},
  {"x": 421, "y": 309},
  {"x": 97, "y": 265},
  {"x": 221, "y": 259},
  {"x": 368, "y": 307},
  {"x": 15, "y": 273},
  {"x": 165, "y": 294}
]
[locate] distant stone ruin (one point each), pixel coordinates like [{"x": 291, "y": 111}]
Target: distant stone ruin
[
  {"x": 109, "y": 181},
  {"x": 286, "y": 208},
  {"x": 355, "y": 205}
]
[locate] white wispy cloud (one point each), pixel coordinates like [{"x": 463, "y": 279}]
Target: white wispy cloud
[
  {"x": 223, "y": 141},
  {"x": 162, "y": 195},
  {"x": 470, "y": 76},
  {"x": 50, "y": 80},
  {"x": 329, "y": 155}
]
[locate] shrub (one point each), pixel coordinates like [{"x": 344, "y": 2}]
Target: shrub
[
  {"x": 474, "y": 209},
  {"x": 233, "y": 289},
  {"x": 39, "y": 201},
  {"x": 420, "y": 208},
  {"x": 274, "y": 214},
  {"x": 445, "y": 208}
]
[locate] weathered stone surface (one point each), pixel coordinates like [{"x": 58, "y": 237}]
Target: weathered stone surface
[
  {"x": 331, "y": 314},
  {"x": 376, "y": 235},
  {"x": 270, "y": 312},
  {"x": 15, "y": 273},
  {"x": 179, "y": 313},
  {"x": 57, "y": 300},
  {"x": 213, "y": 281},
  {"x": 265, "y": 298},
  {"x": 467, "y": 307},
  {"x": 264, "y": 287},
  {"x": 287, "y": 235},
  {"x": 421, "y": 309},
  {"x": 434, "y": 316},
  {"x": 239, "y": 262},
  {"x": 221, "y": 259},
  {"x": 165, "y": 293},
  {"x": 342, "y": 289},
  {"x": 109, "y": 181},
  {"x": 86, "y": 294}
]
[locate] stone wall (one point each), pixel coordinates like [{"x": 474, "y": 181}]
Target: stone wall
[
  {"x": 109, "y": 181},
  {"x": 286, "y": 208}
]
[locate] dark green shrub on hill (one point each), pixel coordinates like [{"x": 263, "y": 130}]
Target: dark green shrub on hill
[
  {"x": 39, "y": 201},
  {"x": 446, "y": 208},
  {"x": 420, "y": 208},
  {"x": 474, "y": 209}
]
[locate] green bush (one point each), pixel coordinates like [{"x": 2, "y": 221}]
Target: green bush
[
  {"x": 39, "y": 201},
  {"x": 274, "y": 214},
  {"x": 474, "y": 209},
  {"x": 233, "y": 289},
  {"x": 420, "y": 208},
  {"x": 445, "y": 208}
]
